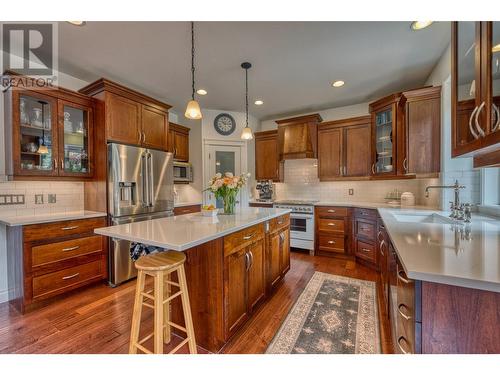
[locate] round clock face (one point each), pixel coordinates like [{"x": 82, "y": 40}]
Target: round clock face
[{"x": 224, "y": 124}]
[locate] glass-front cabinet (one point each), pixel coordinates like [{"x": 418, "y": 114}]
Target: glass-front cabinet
[
  {"x": 476, "y": 89},
  {"x": 48, "y": 136}
]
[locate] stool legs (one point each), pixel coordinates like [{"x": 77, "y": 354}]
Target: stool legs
[
  {"x": 136, "y": 315},
  {"x": 166, "y": 312},
  {"x": 158, "y": 313},
  {"x": 187, "y": 310}
]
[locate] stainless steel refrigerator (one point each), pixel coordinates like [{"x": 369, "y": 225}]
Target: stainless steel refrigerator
[{"x": 140, "y": 187}]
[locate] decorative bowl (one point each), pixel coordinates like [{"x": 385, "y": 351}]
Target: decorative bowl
[{"x": 210, "y": 213}]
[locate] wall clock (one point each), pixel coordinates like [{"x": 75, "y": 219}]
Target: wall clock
[{"x": 224, "y": 124}]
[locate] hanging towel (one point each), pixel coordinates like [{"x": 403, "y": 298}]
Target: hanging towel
[{"x": 139, "y": 249}]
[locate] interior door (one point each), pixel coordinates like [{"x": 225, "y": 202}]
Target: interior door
[{"x": 222, "y": 159}]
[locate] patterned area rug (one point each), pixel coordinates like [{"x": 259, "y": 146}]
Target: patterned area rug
[{"x": 334, "y": 315}]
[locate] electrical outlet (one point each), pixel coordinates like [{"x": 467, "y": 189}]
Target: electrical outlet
[
  {"x": 351, "y": 191},
  {"x": 52, "y": 198},
  {"x": 7, "y": 199},
  {"x": 38, "y": 198}
]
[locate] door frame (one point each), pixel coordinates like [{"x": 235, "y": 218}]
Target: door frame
[{"x": 244, "y": 194}]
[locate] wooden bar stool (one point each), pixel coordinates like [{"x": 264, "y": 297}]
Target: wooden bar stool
[{"x": 160, "y": 266}]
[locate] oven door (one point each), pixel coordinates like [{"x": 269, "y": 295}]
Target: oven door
[{"x": 302, "y": 227}]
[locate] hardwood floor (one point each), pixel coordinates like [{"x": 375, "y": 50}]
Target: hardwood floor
[{"x": 97, "y": 319}]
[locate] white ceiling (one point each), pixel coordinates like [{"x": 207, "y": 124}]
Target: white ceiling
[{"x": 294, "y": 63}]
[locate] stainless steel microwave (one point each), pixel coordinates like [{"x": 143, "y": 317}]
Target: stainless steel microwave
[{"x": 183, "y": 173}]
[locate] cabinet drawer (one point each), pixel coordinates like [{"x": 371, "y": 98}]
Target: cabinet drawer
[
  {"x": 187, "y": 209},
  {"x": 235, "y": 241},
  {"x": 54, "y": 252},
  {"x": 69, "y": 278},
  {"x": 365, "y": 212},
  {"x": 279, "y": 222},
  {"x": 365, "y": 229},
  {"x": 366, "y": 251},
  {"x": 331, "y": 243},
  {"x": 38, "y": 232},
  {"x": 331, "y": 211},
  {"x": 331, "y": 225}
]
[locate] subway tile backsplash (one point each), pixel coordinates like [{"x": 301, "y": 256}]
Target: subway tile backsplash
[
  {"x": 301, "y": 182},
  {"x": 69, "y": 197}
]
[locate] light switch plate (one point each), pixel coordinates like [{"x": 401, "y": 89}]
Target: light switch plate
[
  {"x": 38, "y": 198},
  {"x": 52, "y": 198}
]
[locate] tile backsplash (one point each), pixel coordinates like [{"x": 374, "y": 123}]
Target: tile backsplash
[
  {"x": 301, "y": 182},
  {"x": 69, "y": 197}
]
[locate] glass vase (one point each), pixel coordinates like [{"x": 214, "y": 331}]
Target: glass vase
[{"x": 229, "y": 203}]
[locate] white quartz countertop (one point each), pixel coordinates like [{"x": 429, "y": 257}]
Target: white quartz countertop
[
  {"x": 374, "y": 205},
  {"x": 461, "y": 254},
  {"x": 49, "y": 218},
  {"x": 184, "y": 204},
  {"x": 185, "y": 231}
]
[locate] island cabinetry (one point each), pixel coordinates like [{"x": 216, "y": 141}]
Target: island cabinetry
[
  {"x": 46, "y": 260},
  {"x": 277, "y": 250},
  {"x": 333, "y": 225},
  {"x": 365, "y": 236},
  {"x": 244, "y": 275},
  {"x": 383, "y": 254}
]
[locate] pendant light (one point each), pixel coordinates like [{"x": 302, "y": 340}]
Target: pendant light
[
  {"x": 247, "y": 132},
  {"x": 42, "y": 149},
  {"x": 193, "y": 110}
]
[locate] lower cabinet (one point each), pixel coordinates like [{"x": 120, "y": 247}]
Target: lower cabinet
[
  {"x": 183, "y": 210},
  {"x": 365, "y": 237},
  {"x": 332, "y": 230},
  {"x": 277, "y": 251},
  {"x": 383, "y": 256},
  {"x": 47, "y": 260}
]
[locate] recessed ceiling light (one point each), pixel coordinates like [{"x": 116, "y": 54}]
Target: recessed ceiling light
[
  {"x": 419, "y": 25},
  {"x": 259, "y": 102},
  {"x": 202, "y": 92},
  {"x": 496, "y": 48},
  {"x": 77, "y": 23},
  {"x": 338, "y": 83}
]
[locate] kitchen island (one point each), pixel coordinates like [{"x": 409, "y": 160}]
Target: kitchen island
[{"x": 233, "y": 264}]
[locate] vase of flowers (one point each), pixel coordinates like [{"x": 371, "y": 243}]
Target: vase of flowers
[{"x": 226, "y": 188}]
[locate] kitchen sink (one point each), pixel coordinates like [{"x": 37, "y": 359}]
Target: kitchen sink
[{"x": 432, "y": 218}]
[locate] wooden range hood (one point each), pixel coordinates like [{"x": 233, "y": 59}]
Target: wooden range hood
[{"x": 298, "y": 137}]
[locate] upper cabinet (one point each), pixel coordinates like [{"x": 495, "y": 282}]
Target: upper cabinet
[
  {"x": 476, "y": 90},
  {"x": 131, "y": 117},
  {"x": 344, "y": 149},
  {"x": 298, "y": 137},
  {"x": 178, "y": 142},
  {"x": 267, "y": 164},
  {"x": 48, "y": 133}
]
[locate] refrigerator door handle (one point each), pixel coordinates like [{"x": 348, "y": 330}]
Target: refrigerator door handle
[
  {"x": 145, "y": 180},
  {"x": 150, "y": 182}
]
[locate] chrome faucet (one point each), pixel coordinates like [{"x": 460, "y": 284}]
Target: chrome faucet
[{"x": 455, "y": 205}]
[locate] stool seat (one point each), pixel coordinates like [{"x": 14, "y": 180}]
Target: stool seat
[{"x": 160, "y": 261}]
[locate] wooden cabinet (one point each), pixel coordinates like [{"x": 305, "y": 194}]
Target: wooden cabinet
[
  {"x": 183, "y": 210},
  {"x": 365, "y": 236},
  {"x": 244, "y": 275},
  {"x": 178, "y": 142},
  {"x": 475, "y": 92},
  {"x": 332, "y": 230},
  {"x": 298, "y": 137},
  {"x": 130, "y": 117},
  {"x": 277, "y": 251},
  {"x": 344, "y": 149},
  {"x": 267, "y": 164},
  {"x": 46, "y": 260},
  {"x": 383, "y": 256},
  {"x": 48, "y": 134}
]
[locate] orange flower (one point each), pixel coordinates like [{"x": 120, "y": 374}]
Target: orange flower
[{"x": 227, "y": 180}]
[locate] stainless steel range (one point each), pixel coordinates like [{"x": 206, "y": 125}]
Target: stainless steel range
[{"x": 301, "y": 222}]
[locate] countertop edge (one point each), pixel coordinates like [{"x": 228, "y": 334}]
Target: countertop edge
[
  {"x": 185, "y": 204},
  {"x": 15, "y": 221},
  {"x": 104, "y": 232}
]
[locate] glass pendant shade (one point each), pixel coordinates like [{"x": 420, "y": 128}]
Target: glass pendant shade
[
  {"x": 43, "y": 149},
  {"x": 193, "y": 110},
  {"x": 246, "y": 133}
]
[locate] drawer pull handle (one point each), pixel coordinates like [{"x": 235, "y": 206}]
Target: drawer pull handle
[
  {"x": 364, "y": 229},
  {"x": 402, "y": 278},
  {"x": 378, "y": 235},
  {"x": 364, "y": 213},
  {"x": 280, "y": 222},
  {"x": 71, "y": 276},
  {"x": 407, "y": 317},
  {"x": 332, "y": 211},
  {"x": 70, "y": 228},
  {"x": 331, "y": 242},
  {"x": 71, "y": 248},
  {"x": 365, "y": 250},
  {"x": 401, "y": 338},
  {"x": 248, "y": 237},
  {"x": 331, "y": 224}
]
